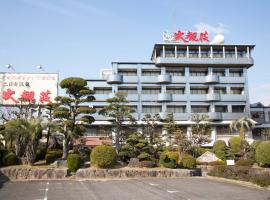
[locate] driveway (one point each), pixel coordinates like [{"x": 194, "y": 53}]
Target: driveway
[{"x": 139, "y": 189}]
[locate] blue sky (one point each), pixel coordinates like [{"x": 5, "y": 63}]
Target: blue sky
[{"x": 80, "y": 37}]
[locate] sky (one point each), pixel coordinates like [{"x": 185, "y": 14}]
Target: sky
[{"x": 81, "y": 37}]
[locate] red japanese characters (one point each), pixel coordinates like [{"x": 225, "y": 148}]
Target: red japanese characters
[
  {"x": 191, "y": 36},
  {"x": 26, "y": 96}
]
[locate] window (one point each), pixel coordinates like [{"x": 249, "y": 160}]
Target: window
[
  {"x": 151, "y": 90},
  {"x": 241, "y": 54},
  {"x": 230, "y": 54},
  {"x": 205, "y": 54},
  {"x": 235, "y": 90},
  {"x": 131, "y": 72},
  {"x": 219, "y": 72},
  {"x": 175, "y": 72},
  {"x": 220, "y": 90},
  {"x": 199, "y": 109},
  {"x": 217, "y": 54},
  {"x": 150, "y": 72},
  {"x": 258, "y": 116},
  {"x": 151, "y": 109},
  {"x": 193, "y": 53},
  {"x": 103, "y": 90},
  {"x": 223, "y": 130},
  {"x": 238, "y": 109},
  {"x": 198, "y": 73},
  {"x": 181, "y": 53},
  {"x": 236, "y": 73},
  {"x": 128, "y": 90},
  {"x": 175, "y": 90},
  {"x": 198, "y": 90},
  {"x": 176, "y": 109},
  {"x": 169, "y": 53},
  {"x": 222, "y": 109}
]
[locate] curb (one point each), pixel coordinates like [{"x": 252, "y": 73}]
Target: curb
[{"x": 238, "y": 182}]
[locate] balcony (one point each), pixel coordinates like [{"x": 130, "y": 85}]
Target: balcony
[
  {"x": 115, "y": 78},
  {"x": 211, "y": 78},
  {"x": 164, "y": 78},
  {"x": 233, "y": 97},
  {"x": 233, "y": 116},
  {"x": 213, "y": 97},
  {"x": 171, "y": 61},
  {"x": 164, "y": 97},
  {"x": 215, "y": 116}
]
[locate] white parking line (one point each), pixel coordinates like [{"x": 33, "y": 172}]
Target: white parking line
[
  {"x": 172, "y": 191},
  {"x": 153, "y": 184}
]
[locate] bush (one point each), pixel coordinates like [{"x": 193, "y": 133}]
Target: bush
[
  {"x": 219, "y": 148},
  {"x": 103, "y": 156},
  {"x": 73, "y": 162},
  {"x": 262, "y": 154},
  {"x": 148, "y": 164},
  {"x": 188, "y": 161},
  {"x": 243, "y": 173},
  {"x": 244, "y": 162},
  {"x": 144, "y": 156},
  {"x": 169, "y": 159},
  {"x": 10, "y": 159},
  {"x": 40, "y": 154},
  {"x": 53, "y": 155},
  {"x": 255, "y": 144},
  {"x": 237, "y": 146}
]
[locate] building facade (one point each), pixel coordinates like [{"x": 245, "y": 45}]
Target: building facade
[
  {"x": 183, "y": 79},
  {"x": 260, "y": 114}
]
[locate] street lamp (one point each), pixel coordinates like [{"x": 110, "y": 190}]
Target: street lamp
[
  {"x": 9, "y": 66},
  {"x": 40, "y": 67}
]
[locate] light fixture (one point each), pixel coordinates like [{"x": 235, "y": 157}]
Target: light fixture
[{"x": 9, "y": 66}]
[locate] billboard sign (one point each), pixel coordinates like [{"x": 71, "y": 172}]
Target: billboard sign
[
  {"x": 185, "y": 37},
  {"x": 39, "y": 88}
]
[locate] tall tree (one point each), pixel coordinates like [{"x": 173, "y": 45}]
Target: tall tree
[
  {"x": 242, "y": 125},
  {"x": 171, "y": 127},
  {"x": 150, "y": 126},
  {"x": 201, "y": 130},
  {"x": 119, "y": 112},
  {"x": 72, "y": 110}
]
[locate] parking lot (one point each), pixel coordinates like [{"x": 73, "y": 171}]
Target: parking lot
[{"x": 141, "y": 189}]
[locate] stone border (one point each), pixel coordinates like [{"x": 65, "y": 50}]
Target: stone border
[{"x": 27, "y": 173}]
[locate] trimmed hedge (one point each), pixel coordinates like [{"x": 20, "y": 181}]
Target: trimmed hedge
[
  {"x": 262, "y": 154},
  {"x": 219, "y": 148},
  {"x": 103, "y": 156},
  {"x": 243, "y": 162},
  {"x": 53, "y": 155},
  {"x": 169, "y": 159},
  {"x": 10, "y": 159},
  {"x": 188, "y": 161},
  {"x": 73, "y": 162},
  {"x": 242, "y": 173},
  {"x": 237, "y": 145}
]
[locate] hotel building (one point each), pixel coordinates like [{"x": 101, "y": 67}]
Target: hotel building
[{"x": 183, "y": 79}]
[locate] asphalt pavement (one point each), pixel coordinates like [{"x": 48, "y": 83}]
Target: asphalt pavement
[{"x": 133, "y": 189}]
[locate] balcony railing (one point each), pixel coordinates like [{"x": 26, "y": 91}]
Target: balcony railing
[
  {"x": 164, "y": 78},
  {"x": 115, "y": 78},
  {"x": 211, "y": 78},
  {"x": 164, "y": 97},
  {"x": 213, "y": 97}
]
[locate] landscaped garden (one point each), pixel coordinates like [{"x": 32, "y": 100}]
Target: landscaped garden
[{"x": 65, "y": 121}]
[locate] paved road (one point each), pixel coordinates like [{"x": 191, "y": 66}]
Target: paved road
[{"x": 142, "y": 189}]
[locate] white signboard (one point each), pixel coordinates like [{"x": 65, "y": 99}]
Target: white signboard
[
  {"x": 28, "y": 87},
  {"x": 230, "y": 162}
]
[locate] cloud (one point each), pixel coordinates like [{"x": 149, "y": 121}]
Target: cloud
[
  {"x": 219, "y": 29},
  {"x": 50, "y": 7}
]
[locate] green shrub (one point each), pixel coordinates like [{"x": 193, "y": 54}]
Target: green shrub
[
  {"x": 169, "y": 159},
  {"x": 73, "y": 162},
  {"x": 262, "y": 154},
  {"x": 237, "y": 146},
  {"x": 244, "y": 173},
  {"x": 219, "y": 148},
  {"x": 144, "y": 156},
  {"x": 188, "y": 161},
  {"x": 244, "y": 162},
  {"x": 103, "y": 156},
  {"x": 53, "y": 155},
  {"x": 255, "y": 144},
  {"x": 40, "y": 154},
  {"x": 10, "y": 159}
]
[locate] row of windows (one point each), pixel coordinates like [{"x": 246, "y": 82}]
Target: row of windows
[
  {"x": 219, "y": 72},
  {"x": 182, "y": 109},
  {"x": 172, "y": 90}
]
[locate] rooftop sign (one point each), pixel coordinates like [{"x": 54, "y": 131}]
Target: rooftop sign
[{"x": 185, "y": 37}]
